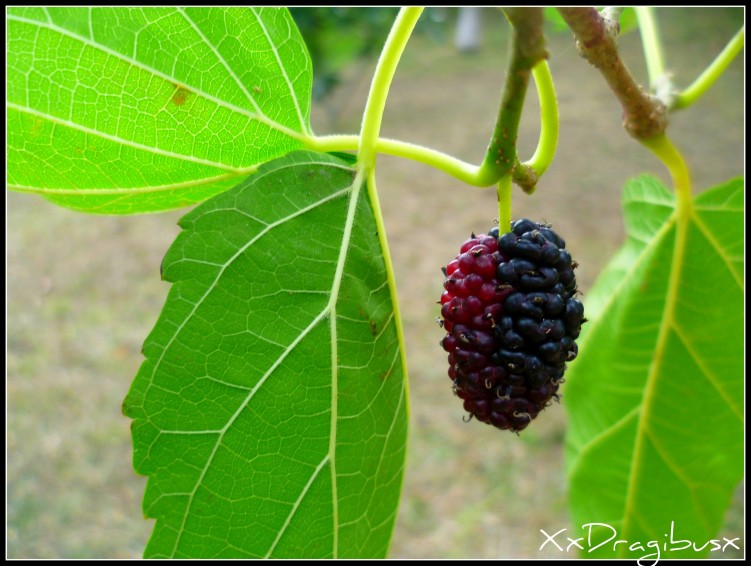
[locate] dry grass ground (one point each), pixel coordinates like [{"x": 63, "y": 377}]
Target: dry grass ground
[{"x": 84, "y": 291}]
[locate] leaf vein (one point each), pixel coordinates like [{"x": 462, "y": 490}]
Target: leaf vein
[
  {"x": 627, "y": 277},
  {"x": 296, "y": 505},
  {"x": 303, "y": 127},
  {"x": 222, "y": 61},
  {"x": 603, "y": 435},
  {"x": 241, "y": 250},
  {"x": 236, "y": 414},
  {"x": 132, "y": 190},
  {"x": 690, "y": 486},
  {"x": 718, "y": 248},
  {"x": 706, "y": 372}
]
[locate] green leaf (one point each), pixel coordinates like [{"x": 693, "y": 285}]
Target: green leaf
[
  {"x": 554, "y": 19},
  {"x": 270, "y": 413},
  {"x": 626, "y": 22},
  {"x": 129, "y": 110},
  {"x": 655, "y": 399}
]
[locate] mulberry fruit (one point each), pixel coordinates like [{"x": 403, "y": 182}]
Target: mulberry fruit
[{"x": 511, "y": 318}]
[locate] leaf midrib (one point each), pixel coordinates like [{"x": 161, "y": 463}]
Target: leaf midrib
[
  {"x": 122, "y": 141},
  {"x": 680, "y": 219},
  {"x": 331, "y": 307},
  {"x": 303, "y": 126}
]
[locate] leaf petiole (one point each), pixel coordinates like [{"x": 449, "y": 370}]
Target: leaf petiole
[
  {"x": 652, "y": 46},
  {"x": 379, "y": 89},
  {"x": 528, "y": 173},
  {"x": 711, "y": 73},
  {"x": 457, "y": 168},
  {"x": 461, "y": 170},
  {"x": 672, "y": 159},
  {"x": 485, "y": 175}
]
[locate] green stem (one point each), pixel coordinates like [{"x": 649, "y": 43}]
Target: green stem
[
  {"x": 528, "y": 48},
  {"x": 504, "y": 204},
  {"x": 381, "y": 232},
  {"x": 666, "y": 152},
  {"x": 457, "y": 168},
  {"x": 711, "y": 73},
  {"x": 528, "y": 53},
  {"x": 652, "y": 45},
  {"x": 660, "y": 80},
  {"x": 548, "y": 141},
  {"x": 528, "y": 173},
  {"x": 525, "y": 174},
  {"x": 379, "y": 89}
]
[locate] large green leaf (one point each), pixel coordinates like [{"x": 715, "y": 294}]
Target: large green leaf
[
  {"x": 655, "y": 399},
  {"x": 127, "y": 110},
  {"x": 270, "y": 413}
]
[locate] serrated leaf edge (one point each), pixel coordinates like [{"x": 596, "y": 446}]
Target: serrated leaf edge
[{"x": 353, "y": 190}]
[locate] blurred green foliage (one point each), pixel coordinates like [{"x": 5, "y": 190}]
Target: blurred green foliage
[
  {"x": 335, "y": 36},
  {"x": 627, "y": 21}
]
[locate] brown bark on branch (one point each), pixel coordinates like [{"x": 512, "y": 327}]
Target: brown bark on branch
[{"x": 644, "y": 115}]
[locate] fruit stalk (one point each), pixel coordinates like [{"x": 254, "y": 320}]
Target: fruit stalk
[{"x": 504, "y": 203}]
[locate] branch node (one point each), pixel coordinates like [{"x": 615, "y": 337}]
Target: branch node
[{"x": 644, "y": 115}]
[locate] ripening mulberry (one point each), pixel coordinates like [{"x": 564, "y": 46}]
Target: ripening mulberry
[{"x": 511, "y": 318}]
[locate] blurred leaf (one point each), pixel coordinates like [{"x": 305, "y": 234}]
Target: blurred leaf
[
  {"x": 655, "y": 399},
  {"x": 557, "y": 23},
  {"x": 627, "y": 20},
  {"x": 270, "y": 413},
  {"x": 336, "y": 36},
  {"x": 128, "y": 110}
]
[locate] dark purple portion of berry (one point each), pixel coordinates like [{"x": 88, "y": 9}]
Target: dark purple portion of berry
[
  {"x": 511, "y": 320},
  {"x": 521, "y": 227}
]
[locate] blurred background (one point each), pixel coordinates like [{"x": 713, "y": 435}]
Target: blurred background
[{"x": 84, "y": 291}]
